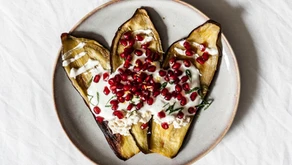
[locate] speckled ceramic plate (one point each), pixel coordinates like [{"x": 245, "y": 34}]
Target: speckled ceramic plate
[{"x": 173, "y": 20}]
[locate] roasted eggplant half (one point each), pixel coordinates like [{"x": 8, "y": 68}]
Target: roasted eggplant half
[
  {"x": 136, "y": 39},
  {"x": 203, "y": 49},
  {"x": 80, "y": 58}
]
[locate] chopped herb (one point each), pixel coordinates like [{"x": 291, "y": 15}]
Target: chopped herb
[
  {"x": 89, "y": 82},
  {"x": 106, "y": 105},
  {"x": 192, "y": 90},
  {"x": 171, "y": 82},
  {"x": 205, "y": 103},
  {"x": 165, "y": 105},
  {"x": 90, "y": 98},
  {"x": 177, "y": 109},
  {"x": 97, "y": 97},
  {"x": 163, "y": 85},
  {"x": 189, "y": 74},
  {"x": 170, "y": 107}
]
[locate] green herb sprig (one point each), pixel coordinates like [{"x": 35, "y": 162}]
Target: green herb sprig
[{"x": 189, "y": 74}]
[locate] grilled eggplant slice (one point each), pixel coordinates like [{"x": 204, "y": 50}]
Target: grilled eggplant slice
[
  {"x": 123, "y": 45},
  {"x": 79, "y": 56},
  {"x": 206, "y": 37}
]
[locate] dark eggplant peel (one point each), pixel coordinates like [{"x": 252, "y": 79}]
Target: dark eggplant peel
[{"x": 142, "y": 100}]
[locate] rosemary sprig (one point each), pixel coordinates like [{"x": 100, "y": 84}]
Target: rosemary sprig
[
  {"x": 205, "y": 104},
  {"x": 97, "y": 97},
  {"x": 90, "y": 98},
  {"x": 163, "y": 85},
  {"x": 177, "y": 109},
  {"x": 89, "y": 82},
  {"x": 192, "y": 90},
  {"x": 106, "y": 104},
  {"x": 189, "y": 74}
]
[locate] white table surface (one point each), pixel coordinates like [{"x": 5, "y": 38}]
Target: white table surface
[{"x": 259, "y": 31}]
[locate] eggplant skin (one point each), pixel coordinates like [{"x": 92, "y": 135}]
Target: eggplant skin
[
  {"x": 168, "y": 142},
  {"x": 139, "y": 21},
  {"x": 124, "y": 147}
]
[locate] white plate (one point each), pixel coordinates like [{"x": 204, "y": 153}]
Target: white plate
[{"x": 173, "y": 20}]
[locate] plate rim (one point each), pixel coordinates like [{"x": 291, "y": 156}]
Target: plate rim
[{"x": 233, "y": 57}]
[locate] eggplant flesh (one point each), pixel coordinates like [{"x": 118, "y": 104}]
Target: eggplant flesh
[
  {"x": 123, "y": 146},
  {"x": 168, "y": 142},
  {"x": 140, "y": 21}
]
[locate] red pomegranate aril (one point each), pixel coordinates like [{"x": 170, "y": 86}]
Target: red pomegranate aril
[
  {"x": 127, "y": 87},
  {"x": 203, "y": 47},
  {"x": 144, "y": 126},
  {"x": 176, "y": 81},
  {"x": 129, "y": 97},
  {"x": 114, "y": 102},
  {"x": 138, "y": 52},
  {"x": 172, "y": 60},
  {"x": 174, "y": 94},
  {"x": 180, "y": 115},
  {"x": 164, "y": 92},
  {"x": 194, "y": 96},
  {"x": 156, "y": 93},
  {"x": 124, "y": 77},
  {"x": 178, "y": 88},
  {"x": 200, "y": 60},
  {"x": 189, "y": 52},
  {"x": 150, "y": 101},
  {"x": 166, "y": 78},
  {"x": 151, "y": 68},
  {"x": 96, "y": 78},
  {"x": 106, "y": 91},
  {"x": 121, "y": 70},
  {"x": 130, "y": 106},
  {"x": 156, "y": 56},
  {"x": 124, "y": 42},
  {"x": 113, "y": 87},
  {"x": 120, "y": 86},
  {"x": 162, "y": 73},
  {"x": 192, "y": 110},
  {"x": 186, "y": 87},
  {"x": 176, "y": 65},
  {"x": 129, "y": 58},
  {"x": 137, "y": 69},
  {"x": 139, "y": 38},
  {"x": 139, "y": 105},
  {"x": 114, "y": 91},
  {"x": 164, "y": 125},
  {"x": 128, "y": 51},
  {"x": 138, "y": 62},
  {"x": 168, "y": 96},
  {"x": 123, "y": 55},
  {"x": 115, "y": 107},
  {"x": 119, "y": 114},
  {"x": 111, "y": 81},
  {"x": 178, "y": 72},
  {"x": 157, "y": 86},
  {"x": 170, "y": 73},
  {"x": 187, "y": 45},
  {"x": 187, "y": 63},
  {"x": 105, "y": 76},
  {"x": 161, "y": 114},
  {"x": 179, "y": 96},
  {"x": 183, "y": 101},
  {"x": 173, "y": 77},
  {"x": 131, "y": 42},
  {"x": 96, "y": 110},
  {"x": 99, "y": 119},
  {"x": 145, "y": 46},
  {"x": 120, "y": 93},
  {"x": 148, "y": 78},
  {"x": 121, "y": 99},
  {"x": 127, "y": 64},
  {"x": 184, "y": 79},
  {"x": 127, "y": 35},
  {"x": 205, "y": 56},
  {"x": 148, "y": 52},
  {"x": 134, "y": 89},
  {"x": 149, "y": 59}
]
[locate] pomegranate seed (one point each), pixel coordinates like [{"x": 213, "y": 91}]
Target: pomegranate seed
[
  {"x": 111, "y": 81},
  {"x": 113, "y": 87},
  {"x": 184, "y": 79},
  {"x": 105, "y": 76},
  {"x": 180, "y": 115},
  {"x": 127, "y": 35},
  {"x": 130, "y": 106},
  {"x": 192, "y": 110},
  {"x": 99, "y": 119},
  {"x": 128, "y": 51},
  {"x": 96, "y": 110},
  {"x": 120, "y": 93},
  {"x": 157, "y": 85},
  {"x": 124, "y": 77},
  {"x": 203, "y": 47},
  {"x": 148, "y": 78},
  {"x": 173, "y": 77},
  {"x": 119, "y": 114},
  {"x": 121, "y": 71},
  {"x": 127, "y": 87},
  {"x": 187, "y": 45},
  {"x": 166, "y": 78},
  {"x": 178, "y": 88},
  {"x": 129, "y": 97},
  {"x": 145, "y": 46},
  {"x": 144, "y": 126},
  {"x": 205, "y": 56},
  {"x": 145, "y": 66},
  {"x": 189, "y": 52},
  {"x": 183, "y": 101},
  {"x": 172, "y": 60},
  {"x": 134, "y": 89},
  {"x": 148, "y": 52},
  {"x": 176, "y": 66},
  {"x": 123, "y": 55},
  {"x": 96, "y": 78},
  {"x": 164, "y": 92},
  {"x": 138, "y": 63},
  {"x": 131, "y": 42},
  {"x": 129, "y": 58},
  {"x": 121, "y": 99},
  {"x": 120, "y": 86},
  {"x": 200, "y": 60},
  {"x": 168, "y": 96},
  {"x": 138, "y": 52},
  {"x": 115, "y": 107},
  {"x": 178, "y": 72},
  {"x": 114, "y": 102},
  {"x": 139, "y": 105},
  {"x": 127, "y": 64},
  {"x": 139, "y": 38},
  {"x": 156, "y": 93},
  {"x": 174, "y": 94},
  {"x": 179, "y": 96},
  {"x": 137, "y": 69},
  {"x": 176, "y": 81},
  {"x": 161, "y": 114},
  {"x": 149, "y": 59},
  {"x": 194, "y": 96},
  {"x": 170, "y": 73},
  {"x": 187, "y": 63},
  {"x": 186, "y": 87},
  {"x": 156, "y": 57},
  {"x": 123, "y": 42},
  {"x": 150, "y": 101},
  {"x": 164, "y": 125},
  {"x": 106, "y": 91},
  {"x": 118, "y": 78},
  {"x": 151, "y": 68},
  {"x": 114, "y": 91},
  {"x": 162, "y": 73}
]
